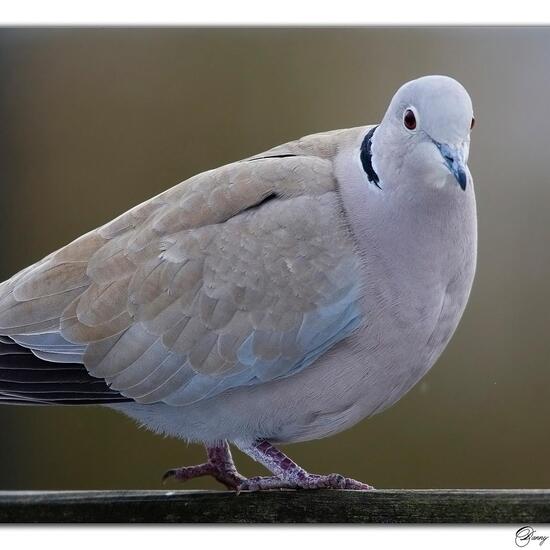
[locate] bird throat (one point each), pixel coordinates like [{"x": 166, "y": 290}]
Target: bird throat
[{"x": 366, "y": 158}]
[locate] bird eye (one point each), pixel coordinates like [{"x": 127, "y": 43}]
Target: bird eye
[
  {"x": 409, "y": 120},
  {"x": 473, "y": 123}
]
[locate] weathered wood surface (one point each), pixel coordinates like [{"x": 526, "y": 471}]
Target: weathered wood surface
[{"x": 389, "y": 506}]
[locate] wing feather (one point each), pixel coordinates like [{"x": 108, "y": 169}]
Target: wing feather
[{"x": 238, "y": 276}]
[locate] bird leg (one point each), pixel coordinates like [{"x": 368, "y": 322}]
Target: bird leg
[
  {"x": 219, "y": 465},
  {"x": 288, "y": 475}
]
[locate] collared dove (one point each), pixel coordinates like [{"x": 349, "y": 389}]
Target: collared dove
[{"x": 281, "y": 298}]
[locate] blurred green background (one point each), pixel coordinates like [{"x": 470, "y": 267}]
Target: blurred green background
[{"x": 94, "y": 121}]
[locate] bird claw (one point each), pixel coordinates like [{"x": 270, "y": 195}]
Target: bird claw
[{"x": 168, "y": 475}]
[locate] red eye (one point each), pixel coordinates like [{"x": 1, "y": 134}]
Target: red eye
[
  {"x": 473, "y": 123},
  {"x": 409, "y": 120}
]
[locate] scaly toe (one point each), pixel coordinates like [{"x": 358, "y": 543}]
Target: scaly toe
[
  {"x": 354, "y": 485},
  {"x": 309, "y": 481},
  {"x": 336, "y": 481},
  {"x": 231, "y": 480},
  {"x": 188, "y": 472},
  {"x": 331, "y": 481},
  {"x": 265, "y": 483}
]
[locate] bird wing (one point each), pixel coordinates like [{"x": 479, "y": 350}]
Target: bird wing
[{"x": 237, "y": 276}]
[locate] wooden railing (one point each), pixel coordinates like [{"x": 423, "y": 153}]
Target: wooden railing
[{"x": 382, "y": 506}]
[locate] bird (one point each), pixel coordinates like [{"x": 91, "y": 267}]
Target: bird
[{"x": 277, "y": 299}]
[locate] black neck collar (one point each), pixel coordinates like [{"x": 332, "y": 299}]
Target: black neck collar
[{"x": 366, "y": 159}]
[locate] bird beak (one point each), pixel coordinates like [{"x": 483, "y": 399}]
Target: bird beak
[{"x": 454, "y": 160}]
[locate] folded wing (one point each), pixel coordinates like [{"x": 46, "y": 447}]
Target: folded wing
[{"x": 238, "y": 276}]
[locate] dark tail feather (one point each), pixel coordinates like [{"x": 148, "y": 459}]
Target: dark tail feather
[{"x": 27, "y": 380}]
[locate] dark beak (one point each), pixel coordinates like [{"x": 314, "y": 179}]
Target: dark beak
[{"x": 453, "y": 159}]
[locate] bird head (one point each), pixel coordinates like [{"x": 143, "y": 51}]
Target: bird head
[{"x": 424, "y": 135}]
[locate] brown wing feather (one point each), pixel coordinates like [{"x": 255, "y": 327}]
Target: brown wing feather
[{"x": 172, "y": 288}]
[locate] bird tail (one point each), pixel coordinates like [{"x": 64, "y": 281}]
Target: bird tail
[{"x": 26, "y": 379}]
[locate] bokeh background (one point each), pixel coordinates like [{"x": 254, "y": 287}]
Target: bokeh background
[{"x": 94, "y": 121}]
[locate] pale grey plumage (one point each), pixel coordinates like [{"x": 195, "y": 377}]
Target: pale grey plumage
[
  {"x": 165, "y": 289},
  {"x": 282, "y": 297}
]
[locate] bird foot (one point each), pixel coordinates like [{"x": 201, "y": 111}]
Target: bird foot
[
  {"x": 303, "y": 481},
  {"x": 288, "y": 475},
  {"x": 219, "y": 465},
  {"x": 231, "y": 479}
]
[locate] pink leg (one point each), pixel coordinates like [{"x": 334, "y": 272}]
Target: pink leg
[
  {"x": 219, "y": 465},
  {"x": 288, "y": 475}
]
